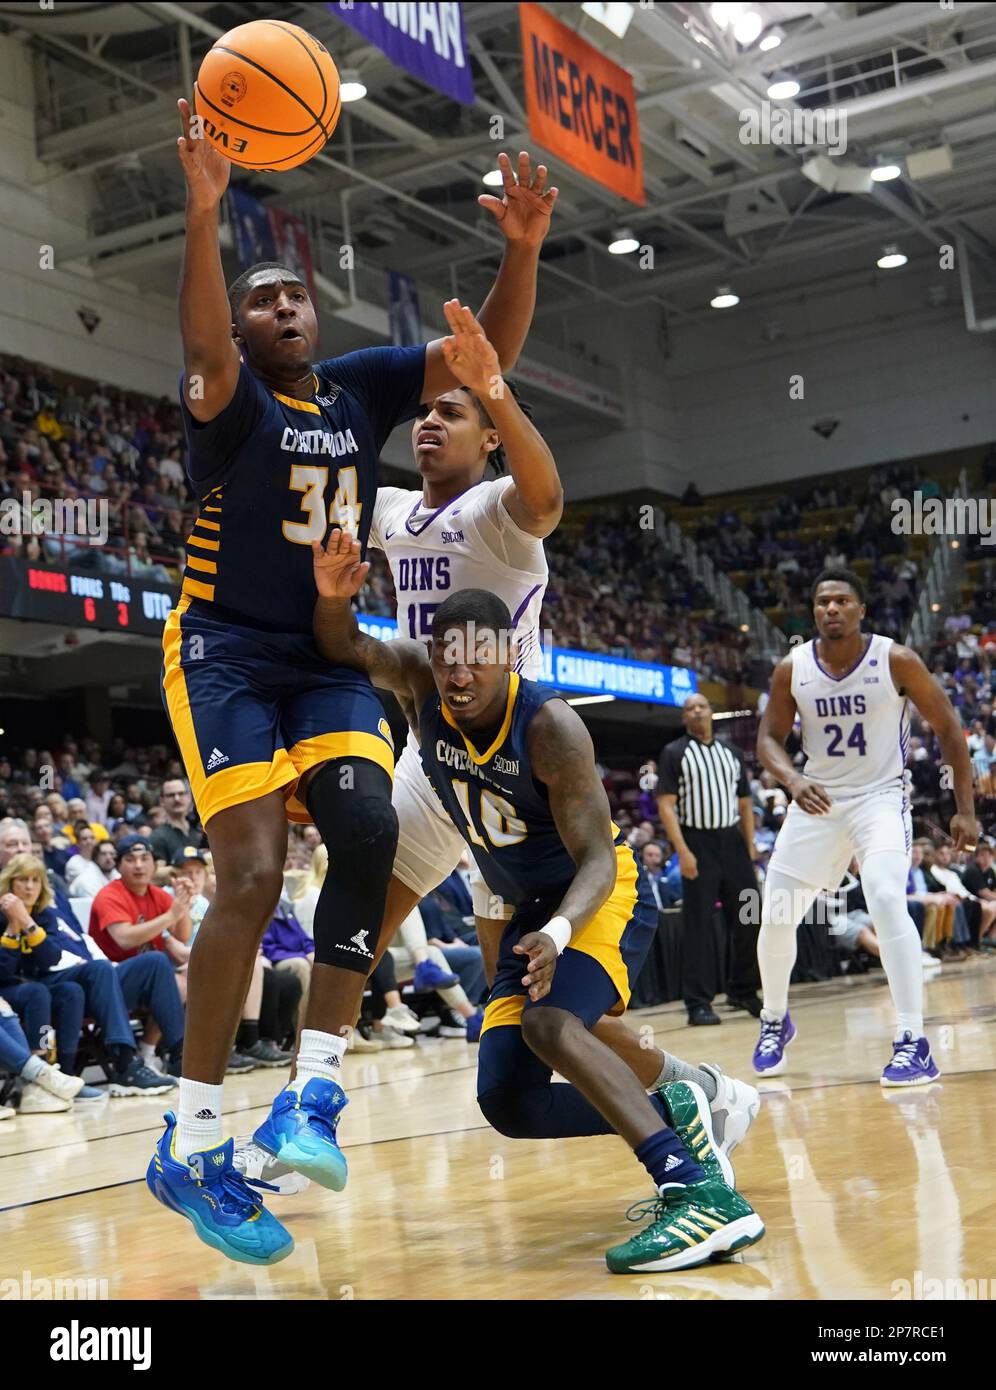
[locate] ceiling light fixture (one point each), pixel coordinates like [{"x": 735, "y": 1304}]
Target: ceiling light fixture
[
  {"x": 351, "y": 85},
  {"x": 891, "y": 258},
  {"x": 623, "y": 242},
  {"x": 724, "y": 298}
]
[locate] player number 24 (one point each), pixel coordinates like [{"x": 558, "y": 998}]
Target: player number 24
[
  {"x": 856, "y": 740},
  {"x": 501, "y": 825},
  {"x": 312, "y": 480}
]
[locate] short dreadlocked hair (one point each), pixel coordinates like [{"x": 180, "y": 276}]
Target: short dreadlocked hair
[
  {"x": 239, "y": 287},
  {"x": 497, "y": 457}
]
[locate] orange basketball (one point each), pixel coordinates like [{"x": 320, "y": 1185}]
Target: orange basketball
[{"x": 268, "y": 93}]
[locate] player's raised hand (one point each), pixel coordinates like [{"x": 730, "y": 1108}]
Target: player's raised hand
[
  {"x": 810, "y": 796},
  {"x": 542, "y": 952},
  {"x": 965, "y": 832},
  {"x": 468, "y": 354},
  {"x": 523, "y": 212},
  {"x": 339, "y": 572},
  {"x": 205, "y": 169}
]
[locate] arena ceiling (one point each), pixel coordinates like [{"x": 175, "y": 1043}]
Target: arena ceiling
[{"x": 403, "y": 171}]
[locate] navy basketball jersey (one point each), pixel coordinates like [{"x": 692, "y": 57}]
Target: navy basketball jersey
[
  {"x": 492, "y": 798},
  {"x": 273, "y": 473}
]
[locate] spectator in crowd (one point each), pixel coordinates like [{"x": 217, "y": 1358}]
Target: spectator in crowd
[
  {"x": 132, "y": 915},
  {"x": 178, "y": 829},
  {"x": 55, "y": 955},
  {"x": 979, "y": 879},
  {"x": 286, "y": 946},
  {"x": 98, "y": 797},
  {"x": 665, "y": 883},
  {"x": 46, "y": 1088},
  {"x": 92, "y": 867},
  {"x": 76, "y": 812},
  {"x": 980, "y": 913}
]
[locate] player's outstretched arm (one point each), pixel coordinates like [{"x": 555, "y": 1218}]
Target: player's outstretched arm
[
  {"x": 535, "y": 502},
  {"x": 210, "y": 357},
  {"x": 523, "y": 214},
  {"x": 401, "y": 667},
  {"x": 911, "y": 677},
  {"x": 775, "y": 727}
]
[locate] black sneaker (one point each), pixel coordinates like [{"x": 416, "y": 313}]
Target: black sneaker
[
  {"x": 266, "y": 1053},
  {"x": 239, "y": 1062},
  {"x": 702, "y": 1016},
  {"x": 748, "y": 1002},
  {"x": 140, "y": 1080}
]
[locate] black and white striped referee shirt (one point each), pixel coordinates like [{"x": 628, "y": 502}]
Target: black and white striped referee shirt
[{"x": 707, "y": 779}]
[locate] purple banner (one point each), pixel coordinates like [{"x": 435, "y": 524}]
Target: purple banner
[{"x": 426, "y": 40}]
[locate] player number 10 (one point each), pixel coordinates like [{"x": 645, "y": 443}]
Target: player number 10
[{"x": 501, "y": 825}]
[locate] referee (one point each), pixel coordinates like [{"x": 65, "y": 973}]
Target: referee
[{"x": 705, "y": 807}]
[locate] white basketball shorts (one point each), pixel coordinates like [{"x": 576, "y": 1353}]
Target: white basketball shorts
[{"x": 818, "y": 849}]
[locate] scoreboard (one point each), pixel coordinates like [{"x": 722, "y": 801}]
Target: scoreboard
[{"x": 46, "y": 594}]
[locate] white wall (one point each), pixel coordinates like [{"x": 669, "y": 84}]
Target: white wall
[
  {"x": 900, "y": 384},
  {"x": 136, "y": 344}
]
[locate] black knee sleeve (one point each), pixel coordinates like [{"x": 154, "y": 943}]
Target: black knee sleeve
[
  {"x": 349, "y": 799},
  {"x": 512, "y": 1113}
]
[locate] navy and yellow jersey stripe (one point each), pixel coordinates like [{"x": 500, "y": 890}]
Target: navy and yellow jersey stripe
[
  {"x": 272, "y": 472},
  {"x": 493, "y": 799}
]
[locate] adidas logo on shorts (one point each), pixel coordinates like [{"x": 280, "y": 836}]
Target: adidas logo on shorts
[{"x": 216, "y": 759}]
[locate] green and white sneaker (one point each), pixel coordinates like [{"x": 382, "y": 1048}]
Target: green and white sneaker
[
  {"x": 690, "y": 1225},
  {"x": 691, "y": 1119}
]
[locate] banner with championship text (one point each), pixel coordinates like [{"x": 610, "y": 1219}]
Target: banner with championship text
[
  {"x": 581, "y": 105},
  {"x": 587, "y": 673},
  {"x": 426, "y": 40}
]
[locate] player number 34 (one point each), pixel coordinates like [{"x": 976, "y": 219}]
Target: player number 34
[{"x": 312, "y": 479}]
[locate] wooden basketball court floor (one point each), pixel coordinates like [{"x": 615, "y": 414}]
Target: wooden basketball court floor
[{"x": 859, "y": 1188}]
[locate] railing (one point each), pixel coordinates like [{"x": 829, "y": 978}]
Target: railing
[
  {"x": 941, "y": 581},
  {"x": 767, "y": 640}
]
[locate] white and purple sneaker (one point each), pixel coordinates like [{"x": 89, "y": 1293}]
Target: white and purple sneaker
[
  {"x": 912, "y": 1064},
  {"x": 769, "y": 1055}
]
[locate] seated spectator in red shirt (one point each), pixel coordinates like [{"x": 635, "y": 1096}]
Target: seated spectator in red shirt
[{"x": 132, "y": 915}]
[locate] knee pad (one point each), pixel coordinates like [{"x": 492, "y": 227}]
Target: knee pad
[{"x": 350, "y": 803}]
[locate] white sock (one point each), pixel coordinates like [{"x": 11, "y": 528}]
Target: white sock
[
  {"x": 148, "y": 1054},
  {"x": 883, "y": 881},
  {"x": 34, "y": 1067},
  {"x": 320, "y": 1054},
  {"x": 199, "y": 1125},
  {"x": 784, "y": 903}
]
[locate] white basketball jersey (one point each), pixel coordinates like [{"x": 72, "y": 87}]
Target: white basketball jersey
[
  {"x": 855, "y": 730},
  {"x": 470, "y": 543}
]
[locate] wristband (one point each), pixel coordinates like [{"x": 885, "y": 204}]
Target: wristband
[{"x": 560, "y": 931}]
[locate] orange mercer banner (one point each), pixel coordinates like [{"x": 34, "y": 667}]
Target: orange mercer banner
[{"x": 580, "y": 104}]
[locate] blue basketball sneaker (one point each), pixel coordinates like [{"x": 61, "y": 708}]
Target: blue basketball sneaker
[
  {"x": 769, "y": 1055},
  {"x": 217, "y": 1201},
  {"x": 300, "y": 1131},
  {"x": 912, "y": 1064}
]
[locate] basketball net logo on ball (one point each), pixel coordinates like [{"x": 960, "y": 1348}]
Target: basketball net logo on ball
[{"x": 285, "y": 87}]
